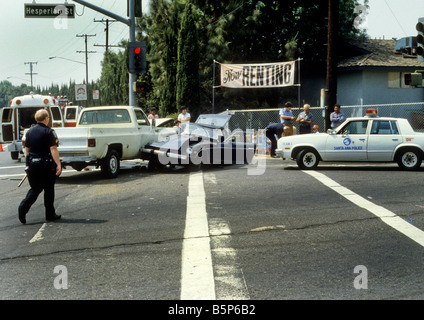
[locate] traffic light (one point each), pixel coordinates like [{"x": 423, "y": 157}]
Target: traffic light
[
  {"x": 420, "y": 40},
  {"x": 137, "y": 57},
  {"x": 139, "y": 87},
  {"x": 415, "y": 79}
]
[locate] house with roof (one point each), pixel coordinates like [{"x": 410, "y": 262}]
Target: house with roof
[
  {"x": 375, "y": 74},
  {"x": 371, "y": 72}
]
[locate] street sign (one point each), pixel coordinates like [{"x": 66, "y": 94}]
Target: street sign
[
  {"x": 35, "y": 10},
  {"x": 96, "y": 94},
  {"x": 80, "y": 92}
]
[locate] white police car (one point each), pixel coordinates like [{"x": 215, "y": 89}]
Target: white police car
[{"x": 366, "y": 139}]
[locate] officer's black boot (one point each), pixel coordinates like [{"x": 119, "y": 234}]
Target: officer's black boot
[
  {"x": 53, "y": 217},
  {"x": 22, "y": 214}
]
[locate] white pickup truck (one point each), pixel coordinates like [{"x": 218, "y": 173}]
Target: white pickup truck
[
  {"x": 367, "y": 139},
  {"x": 105, "y": 135}
]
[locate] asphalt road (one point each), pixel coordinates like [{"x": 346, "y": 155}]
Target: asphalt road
[{"x": 350, "y": 231}]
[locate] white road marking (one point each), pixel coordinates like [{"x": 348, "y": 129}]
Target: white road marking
[
  {"x": 385, "y": 215},
  {"x": 39, "y": 235},
  {"x": 22, "y": 174},
  {"x": 11, "y": 175},
  {"x": 197, "y": 280},
  {"x": 230, "y": 282},
  {"x": 12, "y": 167}
]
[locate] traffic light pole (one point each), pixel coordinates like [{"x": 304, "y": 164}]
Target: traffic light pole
[
  {"x": 131, "y": 23},
  {"x": 132, "y": 76}
]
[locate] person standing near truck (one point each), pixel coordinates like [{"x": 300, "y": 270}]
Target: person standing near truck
[
  {"x": 305, "y": 120},
  {"x": 286, "y": 116},
  {"x": 43, "y": 165},
  {"x": 184, "y": 116},
  {"x": 153, "y": 114}
]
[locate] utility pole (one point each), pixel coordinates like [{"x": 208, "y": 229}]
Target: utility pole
[
  {"x": 86, "y": 53},
  {"x": 130, "y": 22},
  {"x": 107, "y": 21},
  {"x": 30, "y": 71},
  {"x": 333, "y": 29}
]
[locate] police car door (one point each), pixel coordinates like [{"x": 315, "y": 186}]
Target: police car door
[
  {"x": 383, "y": 139},
  {"x": 349, "y": 143}
]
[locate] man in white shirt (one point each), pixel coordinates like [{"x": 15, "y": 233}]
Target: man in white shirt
[{"x": 184, "y": 116}]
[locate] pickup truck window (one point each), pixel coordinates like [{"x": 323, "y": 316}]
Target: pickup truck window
[
  {"x": 141, "y": 118},
  {"x": 384, "y": 127},
  {"x": 355, "y": 127},
  {"x": 105, "y": 116}
]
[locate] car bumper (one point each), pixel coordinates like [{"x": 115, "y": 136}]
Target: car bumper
[{"x": 283, "y": 153}]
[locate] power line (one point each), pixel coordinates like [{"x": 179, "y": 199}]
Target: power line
[{"x": 395, "y": 18}]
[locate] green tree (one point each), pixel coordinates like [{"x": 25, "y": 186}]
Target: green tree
[
  {"x": 168, "y": 98},
  {"x": 113, "y": 83},
  {"x": 188, "y": 63}
]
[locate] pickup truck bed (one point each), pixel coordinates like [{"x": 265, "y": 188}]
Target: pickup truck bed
[{"x": 103, "y": 136}]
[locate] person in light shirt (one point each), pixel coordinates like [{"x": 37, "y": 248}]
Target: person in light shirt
[
  {"x": 337, "y": 117},
  {"x": 184, "y": 116},
  {"x": 153, "y": 114},
  {"x": 286, "y": 116}
]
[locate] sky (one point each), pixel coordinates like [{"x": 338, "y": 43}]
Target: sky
[{"x": 26, "y": 40}]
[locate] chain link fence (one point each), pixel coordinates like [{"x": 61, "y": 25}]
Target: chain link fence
[{"x": 254, "y": 120}]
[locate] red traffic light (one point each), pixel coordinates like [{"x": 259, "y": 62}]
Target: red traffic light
[{"x": 137, "y": 50}]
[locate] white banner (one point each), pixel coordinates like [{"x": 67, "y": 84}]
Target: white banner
[{"x": 261, "y": 75}]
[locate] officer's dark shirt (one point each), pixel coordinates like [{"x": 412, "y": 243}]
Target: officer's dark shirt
[
  {"x": 275, "y": 128},
  {"x": 39, "y": 139}
]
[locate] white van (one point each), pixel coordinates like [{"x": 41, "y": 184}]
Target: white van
[{"x": 19, "y": 115}]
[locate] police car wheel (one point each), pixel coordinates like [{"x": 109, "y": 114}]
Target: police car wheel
[
  {"x": 410, "y": 159},
  {"x": 111, "y": 164},
  {"x": 307, "y": 159}
]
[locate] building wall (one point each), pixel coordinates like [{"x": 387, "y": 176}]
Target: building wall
[
  {"x": 373, "y": 87},
  {"x": 363, "y": 87}
]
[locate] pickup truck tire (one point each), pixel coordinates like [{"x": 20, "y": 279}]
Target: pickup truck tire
[
  {"x": 409, "y": 159},
  {"x": 307, "y": 159},
  {"x": 110, "y": 164}
]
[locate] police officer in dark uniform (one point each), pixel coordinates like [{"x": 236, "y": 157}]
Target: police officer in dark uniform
[
  {"x": 272, "y": 130},
  {"x": 43, "y": 165}
]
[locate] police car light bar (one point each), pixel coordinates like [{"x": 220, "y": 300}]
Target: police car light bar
[{"x": 371, "y": 113}]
